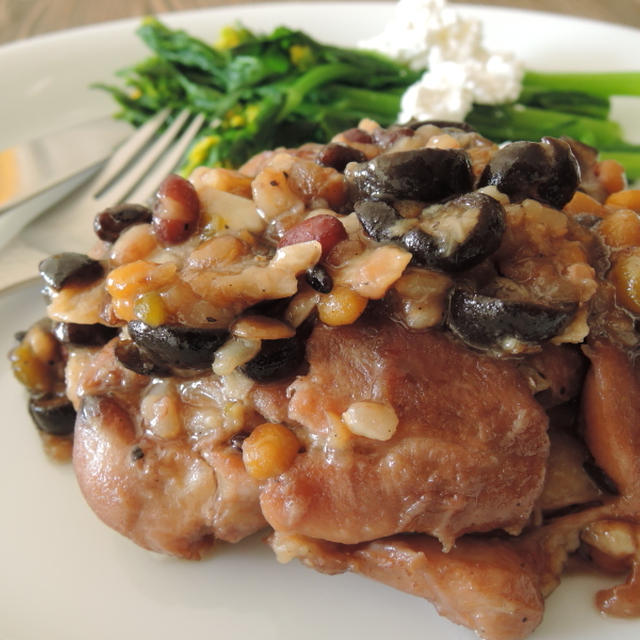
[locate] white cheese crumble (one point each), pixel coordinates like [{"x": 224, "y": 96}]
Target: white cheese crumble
[{"x": 460, "y": 69}]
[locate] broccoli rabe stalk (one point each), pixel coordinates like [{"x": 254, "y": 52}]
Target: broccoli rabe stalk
[
  {"x": 565, "y": 104},
  {"x": 517, "y": 122},
  {"x": 604, "y": 85},
  {"x": 285, "y": 88},
  {"x": 576, "y": 102}
]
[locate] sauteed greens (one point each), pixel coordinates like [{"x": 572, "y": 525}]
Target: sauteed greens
[
  {"x": 259, "y": 91},
  {"x": 285, "y": 88}
]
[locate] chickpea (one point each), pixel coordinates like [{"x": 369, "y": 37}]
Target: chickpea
[
  {"x": 625, "y": 199},
  {"x": 625, "y": 275},
  {"x": 621, "y": 229},
  {"x": 583, "y": 203},
  {"x": 611, "y": 175},
  {"x": 341, "y": 306},
  {"x": 269, "y": 450}
]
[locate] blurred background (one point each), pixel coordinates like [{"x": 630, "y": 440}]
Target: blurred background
[{"x": 25, "y": 18}]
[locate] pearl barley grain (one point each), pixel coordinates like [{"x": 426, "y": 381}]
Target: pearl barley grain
[{"x": 371, "y": 419}]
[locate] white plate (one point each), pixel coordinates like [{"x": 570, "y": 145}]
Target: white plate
[{"x": 64, "y": 575}]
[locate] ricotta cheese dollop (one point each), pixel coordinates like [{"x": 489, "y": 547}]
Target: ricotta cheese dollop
[{"x": 430, "y": 34}]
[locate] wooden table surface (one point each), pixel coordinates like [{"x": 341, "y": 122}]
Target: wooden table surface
[{"x": 24, "y": 18}]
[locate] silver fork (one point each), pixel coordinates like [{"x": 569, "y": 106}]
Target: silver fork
[
  {"x": 132, "y": 174},
  {"x": 118, "y": 181}
]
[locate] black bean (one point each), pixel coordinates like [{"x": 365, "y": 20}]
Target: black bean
[
  {"x": 486, "y": 322},
  {"x": 377, "y": 219},
  {"x": 276, "y": 359},
  {"x": 110, "y": 223},
  {"x": 178, "y": 346},
  {"x": 53, "y": 414},
  {"x": 421, "y": 245},
  {"x": 64, "y": 268},
  {"x": 319, "y": 279},
  {"x": 428, "y": 175},
  {"x": 459, "y": 234},
  {"x": 546, "y": 171},
  {"x": 88, "y": 335},
  {"x": 132, "y": 357},
  {"x": 452, "y": 236}
]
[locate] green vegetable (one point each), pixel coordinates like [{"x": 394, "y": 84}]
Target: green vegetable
[
  {"x": 604, "y": 85},
  {"x": 284, "y": 89},
  {"x": 513, "y": 122},
  {"x": 565, "y": 104},
  {"x": 259, "y": 92}
]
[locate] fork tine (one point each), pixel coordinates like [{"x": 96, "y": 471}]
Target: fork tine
[
  {"x": 129, "y": 180},
  {"x": 129, "y": 149},
  {"x": 168, "y": 162}
]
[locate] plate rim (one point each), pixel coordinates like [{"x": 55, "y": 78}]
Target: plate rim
[
  {"x": 124, "y": 23},
  {"x": 312, "y": 5}
]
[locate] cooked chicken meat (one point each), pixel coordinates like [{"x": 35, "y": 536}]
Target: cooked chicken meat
[
  {"x": 468, "y": 453},
  {"x": 155, "y": 463},
  {"x": 395, "y": 350}
]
